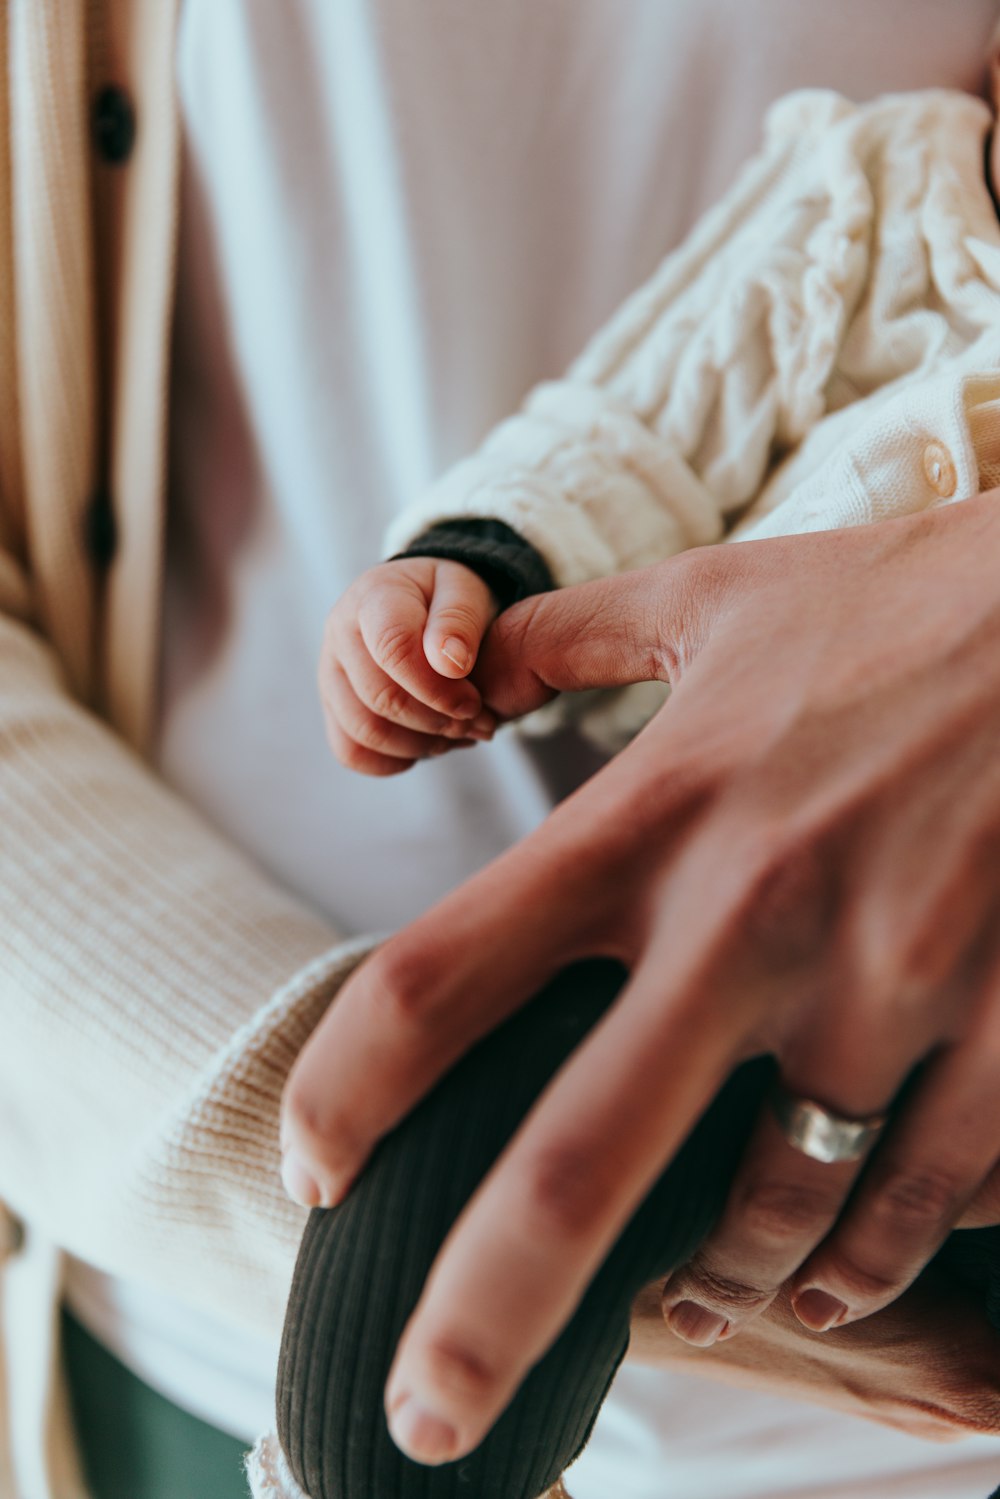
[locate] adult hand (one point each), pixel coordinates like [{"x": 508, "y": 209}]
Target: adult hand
[
  {"x": 798, "y": 855},
  {"x": 926, "y": 1365}
]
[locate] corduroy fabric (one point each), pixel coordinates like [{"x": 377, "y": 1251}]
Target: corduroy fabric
[
  {"x": 973, "y": 1255},
  {"x": 362, "y": 1266}
]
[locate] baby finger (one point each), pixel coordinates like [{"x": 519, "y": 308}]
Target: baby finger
[
  {"x": 359, "y": 728},
  {"x": 387, "y": 699}
]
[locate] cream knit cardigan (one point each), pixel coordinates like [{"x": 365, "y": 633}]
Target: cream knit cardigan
[{"x": 154, "y": 985}]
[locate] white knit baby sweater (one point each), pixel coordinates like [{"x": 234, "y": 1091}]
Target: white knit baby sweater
[{"x": 822, "y": 351}]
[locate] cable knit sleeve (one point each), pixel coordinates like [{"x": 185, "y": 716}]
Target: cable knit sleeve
[{"x": 667, "y": 422}]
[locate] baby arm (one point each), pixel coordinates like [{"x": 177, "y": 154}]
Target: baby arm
[{"x": 400, "y": 644}]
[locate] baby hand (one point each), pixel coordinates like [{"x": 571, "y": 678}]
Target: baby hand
[{"x": 396, "y": 650}]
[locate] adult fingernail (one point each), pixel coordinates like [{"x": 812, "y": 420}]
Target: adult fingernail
[
  {"x": 421, "y": 1435},
  {"x": 817, "y": 1310},
  {"x": 457, "y": 652},
  {"x": 696, "y": 1324},
  {"x": 299, "y": 1184}
]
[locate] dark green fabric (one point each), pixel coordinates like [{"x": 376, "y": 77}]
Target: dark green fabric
[
  {"x": 508, "y": 564},
  {"x": 134, "y": 1443},
  {"x": 973, "y": 1255},
  {"x": 362, "y": 1265}
]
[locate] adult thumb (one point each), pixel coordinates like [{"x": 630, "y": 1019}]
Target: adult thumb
[{"x": 635, "y": 627}]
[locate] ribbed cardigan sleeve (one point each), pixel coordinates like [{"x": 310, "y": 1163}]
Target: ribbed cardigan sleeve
[{"x": 155, "y": 988}]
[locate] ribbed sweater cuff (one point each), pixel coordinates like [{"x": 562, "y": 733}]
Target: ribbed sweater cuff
[{"x": 511, "y": 567}]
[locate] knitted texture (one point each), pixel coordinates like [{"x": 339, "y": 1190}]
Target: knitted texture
[
  {"x": 168, "y": 985},
  {"x": 838, "y": 266},
  {"x": 362, "y": 1266},
  {"x": 828, "y": 326},
  {"x": 504, "y": 560},
  {"x": 268, "y": 1473}
]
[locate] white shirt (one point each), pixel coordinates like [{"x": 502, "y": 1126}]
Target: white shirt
[{"x": 398, "y": 215}]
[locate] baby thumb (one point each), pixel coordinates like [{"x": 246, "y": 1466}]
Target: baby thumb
[{"x": 461, "y": 611}]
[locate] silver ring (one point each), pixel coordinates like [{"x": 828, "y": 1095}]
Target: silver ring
[{"x": 820, "y": 1134}]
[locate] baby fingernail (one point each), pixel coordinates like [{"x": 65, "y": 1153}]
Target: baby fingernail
[
  {"x": 299, "y": 1184},
  {"x": 483, "y": 727},
  {"x": 422, "y": 1435},
  {"x": 817, "y": 1310},
  {"x": 457, "y": 651},
  {"x": 696, "y": 1324}
]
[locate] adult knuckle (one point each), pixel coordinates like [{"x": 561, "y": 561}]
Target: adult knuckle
[
  {"x": 722, "y": 1292},
  {"x": 563, "y": 1191},
  {"x": 456, "y": 1370},
  {"x": 917, "y": 1197},
  {"x": 400, "y": 987},
  {"x": 675, "y": 610},
  {"x": 778, "y": 1211},
  {"x": 864, "y": 1285},
  {"x": 790, "y": 904},
  {"x": 325, "y": 1130},
  {"x": 514, "y": 628},
  {"x": 640, "y": 652}
]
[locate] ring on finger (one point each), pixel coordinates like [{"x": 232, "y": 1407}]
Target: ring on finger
[{"x": 820, "y": 1133}]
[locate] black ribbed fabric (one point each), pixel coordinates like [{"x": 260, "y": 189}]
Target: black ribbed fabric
[
  {"x": 973, "y": 1256},
  {"x": 361, "y": 1268},
  {"x": 511, "y": 566}
]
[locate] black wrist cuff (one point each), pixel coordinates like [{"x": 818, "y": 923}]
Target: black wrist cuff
[{"x": 509, "y": 565}]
